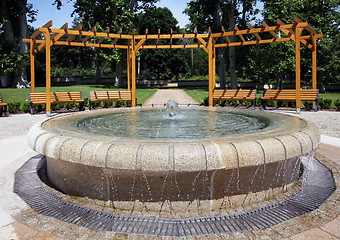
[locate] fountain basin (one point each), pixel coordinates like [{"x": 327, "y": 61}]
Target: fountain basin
[{"x": 152, "y": 169}]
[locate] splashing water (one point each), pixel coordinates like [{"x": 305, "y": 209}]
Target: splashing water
[{"x": 172, "y": 108}]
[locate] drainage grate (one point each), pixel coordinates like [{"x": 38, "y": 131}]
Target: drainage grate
[{"x": 319, "y": 185}]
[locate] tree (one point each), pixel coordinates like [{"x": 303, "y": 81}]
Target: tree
[
  {"x": 323, "y": 16},
  {"x": 13, "y": 28},
  {"x": 112, "y": 14},
  {"x": 156, "y": 63},
  {"x": 215, "y": 14}
]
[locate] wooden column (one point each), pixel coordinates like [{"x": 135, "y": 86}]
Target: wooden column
[
  {"x": 48, "y": 73},
  {"x": 298, "y": 32},
  {"x": 32, "y": 66},
  {"x": 128, "y": 57},
  {"x": 214, "y": 69},
  {"x": 314, "y": 70},
  {"x": 133, "y": 73},
  {"x": 211, "y": 69}
]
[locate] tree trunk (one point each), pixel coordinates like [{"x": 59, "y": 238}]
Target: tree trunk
[
  {"x": 98, "y": 69},
  {"x": 119, "y": 75},
  {"x": 20, "y": 75},
  {"x": 232, "y": 53},
  {"x": 10, "y": 43},
  {"x": 220, "y": 51}
]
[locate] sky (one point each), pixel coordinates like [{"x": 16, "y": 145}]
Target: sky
[{"x": 47, "y": 12}]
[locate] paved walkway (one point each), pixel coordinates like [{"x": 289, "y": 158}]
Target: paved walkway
[
  {"x": 161, "y": 97},
  {"x": 18, "y": 221}
]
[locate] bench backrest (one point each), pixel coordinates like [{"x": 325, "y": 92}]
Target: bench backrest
[
  {"x": 235, "y": 93},
  {"x": 107, "y": 95},
  {"x": 55, "y": 96},
  {"x": 308, "y": 94}
]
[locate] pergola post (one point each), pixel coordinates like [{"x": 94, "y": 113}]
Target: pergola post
[
  {"x": 314, "y": 69},
  {"x": 133, "y": 73},
  {"x": 128, "y": 57},
  {"x": 298, "y": 32},
  {"x": 32, "y": 65},
  {"x": 211, "y": 69},
  {"x": 48, "y": 72}
]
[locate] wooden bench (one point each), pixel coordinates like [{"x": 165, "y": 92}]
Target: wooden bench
[
  {"x": 109, "y": 96},
  {"x": 309, "y": 95},
  {"x": 3, "y": 107},
  {"x": 233, "y": 94},
  {"x": 56, "y": 97}
]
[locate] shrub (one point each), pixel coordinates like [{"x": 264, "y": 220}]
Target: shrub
[
  {"x": 308, "y": 105},
  {"x": 325, "y": 103},
  {"x": 69, "y": 106},
  {"x": 337, "y": 103},
  {"x": 14, "y": 107},
  {"x": 205, "y": 101},
  {"x": 39, "y": 107},
  {"x": 25, "y": 106}
]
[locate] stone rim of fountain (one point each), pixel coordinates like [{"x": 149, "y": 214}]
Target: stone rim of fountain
[{"x": 67, "y": 153}]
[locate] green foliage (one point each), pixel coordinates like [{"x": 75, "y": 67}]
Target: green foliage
[
  {"x": 25, "y": 107},
  {"x": 337, "y": 103},
  {"x": 160, "y": 63},
  {"x": 308, "y": 105},
  {"x": 323, "y": 16},
  {"x": 325, "y": 103},
  {"x": 14, "y": 107}
]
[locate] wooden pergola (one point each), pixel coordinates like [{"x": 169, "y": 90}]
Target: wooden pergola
[{"x": 299, "y": 32}]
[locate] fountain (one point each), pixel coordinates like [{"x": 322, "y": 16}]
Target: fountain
[{"x": 165, "y": 159}]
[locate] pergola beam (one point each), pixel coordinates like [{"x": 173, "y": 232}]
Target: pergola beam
[
  {"x": 206, "y": 41},
  {"x": 102, "y": 38},
  {"x": 265, "y": 25}
]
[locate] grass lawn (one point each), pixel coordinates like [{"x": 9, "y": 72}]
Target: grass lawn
[{"x": 21, "y": 95}]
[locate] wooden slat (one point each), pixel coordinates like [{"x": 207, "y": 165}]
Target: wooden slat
[
  {"x": 290, "y": 95},
  {"x": 94, "y": 30},
  {"x": 102, "y": 38},
  {"x": 271, "y": 32},
  {"x": 38, "y": 32},
  {"x": 231, "y": 94},
  {"x": 255, "y": 34},
  {"x": 240, "y": 35},
  {"x": 184, "y": 40},
  {"x": 56, "y": 97},
  {"x": 72, "y": 36},
  {"x": 120, "y": 34},
  {"x": 102, "y": 96},
  {"x": 159, "y": 33}
]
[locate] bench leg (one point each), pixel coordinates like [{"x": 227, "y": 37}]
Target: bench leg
[
  {"x": 315, "y": 106},
  {"x": 31, "y": 109},
  {"x": 81, "y": 106},
  {"x": 6, "y": 111},
  {"x": 263, "y": 105}
]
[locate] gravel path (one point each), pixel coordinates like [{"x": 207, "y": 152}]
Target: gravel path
[{"x": 327, "y": 121}]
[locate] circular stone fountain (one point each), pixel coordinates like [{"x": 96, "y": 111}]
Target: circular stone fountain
[{"x": 145, "y": 155}]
